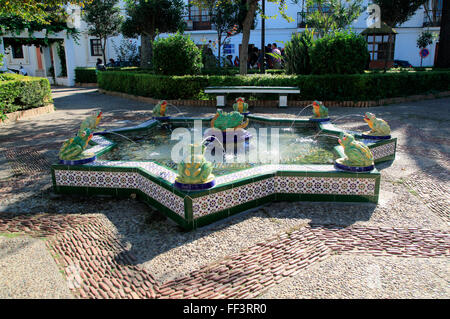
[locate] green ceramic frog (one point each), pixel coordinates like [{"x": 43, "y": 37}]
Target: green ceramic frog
[
  {"x": 160, "y": 109},
  {"x": 378, "y": 127},
  {"x": 72, "y": 148},
  {"x": 195, "y": 169},
  {"x": 223, "y": 120},
  {"x": 240, "y": 105},
  {"x": 319, "y": 110},
  {"x": 357, "y": 154},
  {"x": 91, "y": 122}
]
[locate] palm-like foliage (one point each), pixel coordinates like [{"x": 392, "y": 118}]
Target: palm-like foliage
[{"x": 296, "y": 52}]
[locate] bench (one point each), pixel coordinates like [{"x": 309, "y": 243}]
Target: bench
[{"x": 283, "y": 91}]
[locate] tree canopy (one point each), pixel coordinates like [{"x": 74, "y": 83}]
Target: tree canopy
[
  {"x": 149, "y": 17},
  {"x": 396, "y": 12},
  {"x": 55, "y": 21},
  {"x": 33, "y": 10},
  {"x": 104, "y": 20},
  {"x": 326, "y": 15}
]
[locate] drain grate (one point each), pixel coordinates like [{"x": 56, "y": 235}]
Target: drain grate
[{"x": 27, "y": 160}]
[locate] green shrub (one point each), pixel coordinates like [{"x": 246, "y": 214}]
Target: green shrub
[
  {"x": 89, "y": 75},
  {"x": 85, "y": 75},
  {"x": 176, "y": 55},
  {"x": 18, "y": 92},
  {"x": 296, "y": 53},
  {"x": 339, "y": 53},
  {"x": 332, "y": 87}
]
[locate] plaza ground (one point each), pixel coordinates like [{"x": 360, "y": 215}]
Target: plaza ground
[{"x": 55, "y": 246}]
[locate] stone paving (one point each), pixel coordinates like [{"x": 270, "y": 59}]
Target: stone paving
[{"x": 98, "y": 263}]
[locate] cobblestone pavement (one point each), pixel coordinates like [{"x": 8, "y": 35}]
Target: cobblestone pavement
[
  {"x": 109, "y": 248},
  {"x": 98, "y": 265}
]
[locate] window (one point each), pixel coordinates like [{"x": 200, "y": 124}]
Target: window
[
  {"x": 378, "y": 46},
  {"x": 96, "y": 47},
  {"x": 307, "y": 10},
  {"x": 228, "y": 49},
  {"x": 200, "y": 17},
  {"x": 17, "y": 51},
  {"x": 433, "y": 13}
]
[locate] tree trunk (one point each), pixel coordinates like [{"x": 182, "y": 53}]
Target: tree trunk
[
  {"x": 103, "y": 50},
  {"x": 443, "y": 58},
  {"x": 146, "y": 51},
  {"x": 246, "y": 26},
  {"x": 219, "y": 48}
]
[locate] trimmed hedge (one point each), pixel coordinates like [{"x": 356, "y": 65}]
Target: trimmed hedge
[
  {"x": 85, "y": 75},
  {"x": 89, "y": 75},
  {"x": 18, "y": 92},
  {"x": 355, "y": 87}
]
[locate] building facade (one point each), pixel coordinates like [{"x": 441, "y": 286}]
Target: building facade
[
  {"x": 84, "y": 51},
  {"x": 279, "y": 30}
]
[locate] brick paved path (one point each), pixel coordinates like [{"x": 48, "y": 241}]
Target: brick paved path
[{"x": 97, "y": 265}]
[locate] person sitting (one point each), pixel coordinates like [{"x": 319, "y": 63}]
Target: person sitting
[
  {"x": 229, "y": 60},
  {"x": 276, "y": 61},
  {"x": 269, "y": 58},
  {"x": 99, "y": 65},
  {"x": 111, "y": 62},
  {"x": 253, "y": 59},
  {"x": 22, "y": 70}
]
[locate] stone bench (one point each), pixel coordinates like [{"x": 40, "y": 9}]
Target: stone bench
[{"x": 283, "y": 92}]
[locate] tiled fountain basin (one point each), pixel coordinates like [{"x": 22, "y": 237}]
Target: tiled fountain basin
[{"x": 233, "y": 193}]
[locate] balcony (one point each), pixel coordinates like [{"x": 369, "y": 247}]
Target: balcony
[
  {"x": 198, "y": 22},
  {"x": 432, "y": 18}
]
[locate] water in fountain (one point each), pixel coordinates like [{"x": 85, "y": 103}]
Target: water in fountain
[
  {"x": 156, "y": 145},
  {"x": 122, "y": 137},
  {"x": 298, "y": 114},
  {"x": 348, "y": 115},
  {"x": 179, "y": 111}
]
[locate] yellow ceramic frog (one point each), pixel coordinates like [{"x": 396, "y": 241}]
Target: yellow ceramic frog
[
  {"x": 357, "y": 154},
  {"x": 378, "y": 127}
]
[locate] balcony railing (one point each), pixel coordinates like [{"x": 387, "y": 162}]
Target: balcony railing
[
  {"x": 198, "y": 22},
  {"x": 432, "y": 18}
]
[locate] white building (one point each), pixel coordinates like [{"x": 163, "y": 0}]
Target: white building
[
  {"x": 279, "y": 30},
  {"x": 38, "y": 61}
]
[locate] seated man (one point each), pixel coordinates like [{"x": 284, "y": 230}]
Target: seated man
[{"x": 100, "y": 66}]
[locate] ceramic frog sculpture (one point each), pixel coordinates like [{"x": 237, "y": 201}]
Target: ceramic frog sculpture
[
  {"x": 357, "y": 154},
  {"x": 240, "y": 105},
  {"x": 378, "y": 127},
  {"x": 160, "y": 109},
  {"x": 72, "y": 148},
  {"x": 223, "y": 120},
  {"x": 91, "y": 122},
  {"x": 195, "y": 169},
  {"x": 319, "y": 110}
]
